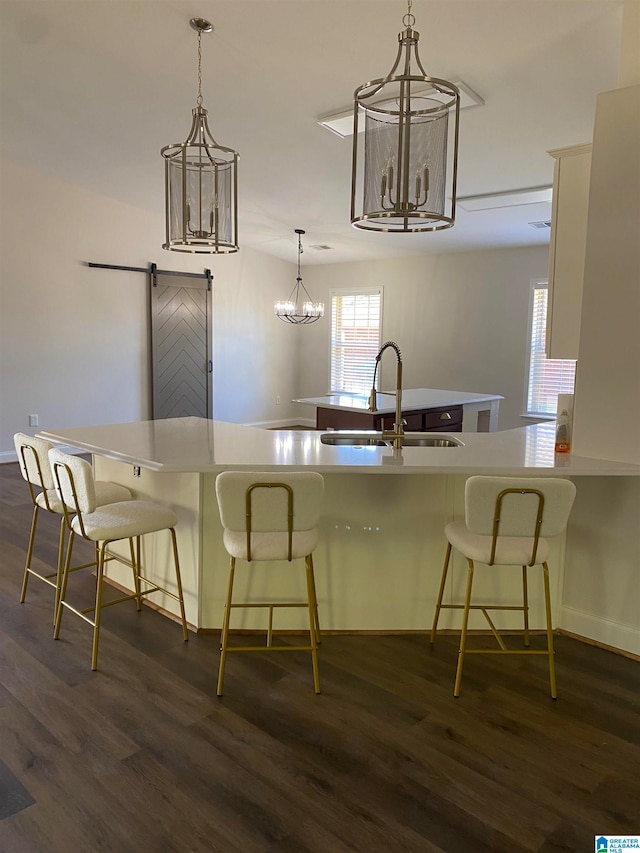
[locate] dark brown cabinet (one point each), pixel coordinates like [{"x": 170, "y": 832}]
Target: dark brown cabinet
[{"x": 445, "y": 419}]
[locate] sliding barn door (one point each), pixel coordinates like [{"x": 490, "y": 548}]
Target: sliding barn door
[{"x": 181, "y": 337}]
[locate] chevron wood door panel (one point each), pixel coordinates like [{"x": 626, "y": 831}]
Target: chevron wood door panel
[{"x": 181, "y": 347}]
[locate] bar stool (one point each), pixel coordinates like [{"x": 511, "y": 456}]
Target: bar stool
[
  {"x": 506, "y": 519},
  {"x": 103, "y": 525},
  {"x": 36, "y": 470},
  {"x": 265, "y": 520}
]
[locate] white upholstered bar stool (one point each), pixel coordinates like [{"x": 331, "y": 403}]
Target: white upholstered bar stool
[
  {"x": 266, "y": 519},
  {"x": 33, "y": 457},
  {"x": 103, "y": 525},
  {"x": 506, "y": 522}
]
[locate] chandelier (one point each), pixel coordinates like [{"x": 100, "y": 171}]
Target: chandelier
[
  {"x": 404, "y": 151},
  {"x": 201, "y": 210},
  {"x": 293, "y": 310}
]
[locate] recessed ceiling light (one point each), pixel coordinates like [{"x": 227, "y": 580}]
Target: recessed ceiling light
[
  {"x": 340, "y": 122},
  {"x": 511, "y": 198},
  {"x": 546, "y": 223}
]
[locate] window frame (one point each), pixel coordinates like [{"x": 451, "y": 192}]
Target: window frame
[
  {"x": 537, "y": 284},
  {"x": 353, "y": 291}
]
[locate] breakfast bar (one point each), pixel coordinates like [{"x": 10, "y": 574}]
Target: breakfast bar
[{"x": 381, "y": 544}]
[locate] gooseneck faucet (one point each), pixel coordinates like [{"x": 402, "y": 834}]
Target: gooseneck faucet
[{"x": 398, "y": 428}]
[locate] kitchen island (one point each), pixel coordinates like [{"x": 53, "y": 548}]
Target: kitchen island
[
  {"x": 381, "y": 544},
  {"x": 422, "y": 409}
]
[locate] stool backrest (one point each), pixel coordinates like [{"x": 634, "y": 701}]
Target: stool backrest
[
  {"x": 269, "y": 502},
  {"x": 33, "y": 456},
  {"x": 511, "y": 506},
  {"x": 73, "y": 481}
]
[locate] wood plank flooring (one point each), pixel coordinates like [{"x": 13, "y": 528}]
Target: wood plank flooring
[{"x": 141, "y": 756}]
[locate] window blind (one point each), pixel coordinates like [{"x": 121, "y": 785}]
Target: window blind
[
  {"x": 355, "y": 339},
  {"x": 548, "y": 377}
]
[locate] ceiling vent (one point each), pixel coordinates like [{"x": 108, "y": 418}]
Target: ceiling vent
[
  {"x": 546, "y": 223},
  {"x": 321, "y": 247}
]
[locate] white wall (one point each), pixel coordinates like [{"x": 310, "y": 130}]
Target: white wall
[
  {"x": 460, "y": 321},
  {"x": 601, "y": 592},
  {"x": 601, "y": 595},
  {"x": 255, "y": 352},
  {"x": 608, "y": 378},
  {"x": 74, "y": 340}
]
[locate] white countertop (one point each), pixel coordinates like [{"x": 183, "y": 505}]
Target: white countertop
[
  {"x": 201, "y": 445},
  {"x": 412, "y": 398}
]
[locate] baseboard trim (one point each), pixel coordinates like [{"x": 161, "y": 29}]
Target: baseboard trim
[
  {"x": 589, "y": 642},
  {"x": 605, "y": 633}
]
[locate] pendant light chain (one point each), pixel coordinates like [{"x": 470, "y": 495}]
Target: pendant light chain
[
  {"x": 199, "y": 98},
  {"x": 409, "y": 19},
  {"x": 300, "y": 251}
]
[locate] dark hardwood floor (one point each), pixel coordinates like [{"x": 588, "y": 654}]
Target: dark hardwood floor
[{"x": 141, "y": 756}]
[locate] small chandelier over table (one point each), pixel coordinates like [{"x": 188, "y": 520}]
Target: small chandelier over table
[
  {"x": 201, "y": 183},
  {"x": 403, "y": 184},
  {"x": 297, "y": 309}
]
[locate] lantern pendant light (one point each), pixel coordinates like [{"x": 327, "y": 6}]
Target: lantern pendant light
[
  {"x": 293, "y": 310},
  {"x": 200, "y": 183},
  {"x": 404, "y": 169}
]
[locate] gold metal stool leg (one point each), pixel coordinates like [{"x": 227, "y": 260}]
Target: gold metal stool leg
[
  {"x": 60, "y": 567},
  {"x": 525, "y": 602},
  {"x": 443, "y": 580},
  {"x": 63, "y": 587},
  {"x": 315, "y": 598},
  {"x": 550, "y": 649},
  {"x": 463, "y": 635},
  {"x": 98, "y": 608},
  {"x": 313, "y": 617},
  {"x": 176, "y": 561},
  {"x": 224, "y": 639},
  {"x": 135, "y": 568},
  {"x": 27, "y": 565}
]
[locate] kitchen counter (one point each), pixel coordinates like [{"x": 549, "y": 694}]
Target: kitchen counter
[
  {"x": 181, "y": 445},
  {"x": 381, "y": 533},
  {"x": 479, "y": 411}
]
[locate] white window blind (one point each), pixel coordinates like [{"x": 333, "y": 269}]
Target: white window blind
[
  {"x": 548, "y": 377},
  {"x": 355, "y": 339}
]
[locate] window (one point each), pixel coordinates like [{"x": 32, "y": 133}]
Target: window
[
  {"x": 546, "y": 377},
  {"x": 356, "y": 327}
]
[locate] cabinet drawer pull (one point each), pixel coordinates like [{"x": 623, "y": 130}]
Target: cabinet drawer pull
[{"x": 445, "y": 416}]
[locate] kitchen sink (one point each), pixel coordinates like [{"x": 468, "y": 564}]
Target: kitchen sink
[
  {"x": 375, "y": 439},
  {"x": 354, "y": 439},
  {"x": 426, "y": 439}
]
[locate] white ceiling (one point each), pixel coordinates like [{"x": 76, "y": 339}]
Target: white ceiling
[{"x": 90, "y": 90}]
